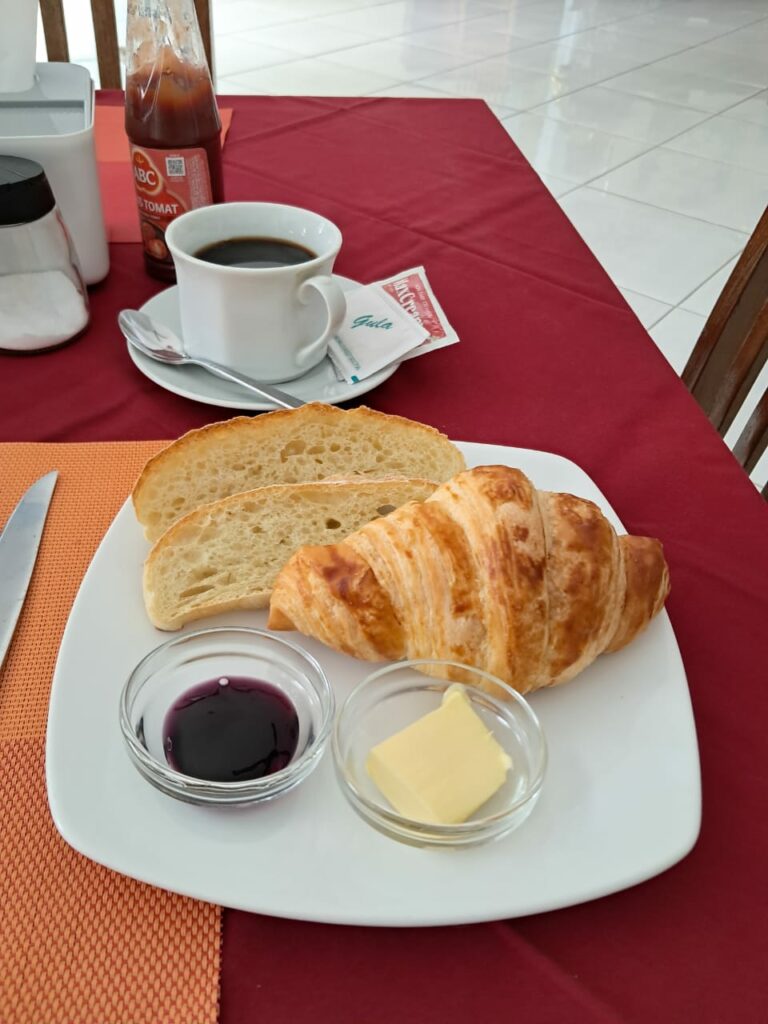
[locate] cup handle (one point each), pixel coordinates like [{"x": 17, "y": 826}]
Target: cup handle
[{"x": 337, "y": 307}]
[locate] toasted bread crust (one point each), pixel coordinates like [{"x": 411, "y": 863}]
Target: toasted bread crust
[{"x": 271, "y": 432}]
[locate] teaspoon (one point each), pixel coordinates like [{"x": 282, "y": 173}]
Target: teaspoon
[{"x": 159, "y": 342}]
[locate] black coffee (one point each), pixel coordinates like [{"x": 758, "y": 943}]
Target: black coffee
[{"x": 255, "y": 252}]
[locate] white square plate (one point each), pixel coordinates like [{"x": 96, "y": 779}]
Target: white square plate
[{"x": 620, "y": 802}]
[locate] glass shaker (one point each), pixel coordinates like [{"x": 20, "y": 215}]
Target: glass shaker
[{"x": 43, "y": 301}]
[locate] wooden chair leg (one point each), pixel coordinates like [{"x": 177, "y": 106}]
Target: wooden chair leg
[
  {"x": 754, "y": 438},
  {"x": 203, "y": 8},
  {"x": 54, "y": 30},
  {"x": 107, "y": 50}
]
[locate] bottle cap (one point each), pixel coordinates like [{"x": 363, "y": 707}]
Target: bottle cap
[{"x": 25, "y": 194}]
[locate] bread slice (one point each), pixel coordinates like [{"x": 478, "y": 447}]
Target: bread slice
[
  {"x": 227, "y": 554},
  {"x": 314, "y": 442}
]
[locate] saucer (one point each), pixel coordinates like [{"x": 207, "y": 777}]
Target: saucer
[{"x": 318, "y": 385}]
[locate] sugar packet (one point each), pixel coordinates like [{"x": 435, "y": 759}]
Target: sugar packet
[
  {"x": 356, "y": 355},
  {"x": 376, "y": 332}
]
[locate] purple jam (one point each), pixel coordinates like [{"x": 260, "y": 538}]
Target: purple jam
[{"x": 230, "y": 729}]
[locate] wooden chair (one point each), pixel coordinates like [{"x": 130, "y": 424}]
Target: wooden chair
[
  {"x": 105, "y": 30},
  {"x": 732, "y": 351}
]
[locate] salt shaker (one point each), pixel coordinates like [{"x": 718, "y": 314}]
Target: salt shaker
[{"x": 43, "y": 301}]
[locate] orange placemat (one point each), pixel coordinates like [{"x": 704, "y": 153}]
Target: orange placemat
[
  {"x": 79, "y": 944},
  {"x": 113, "y": 160}
]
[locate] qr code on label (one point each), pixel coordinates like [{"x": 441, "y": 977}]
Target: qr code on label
[{"x": 174, "y": 166}]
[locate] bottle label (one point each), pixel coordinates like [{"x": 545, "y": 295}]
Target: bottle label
[{"x": 168, "y": 183}]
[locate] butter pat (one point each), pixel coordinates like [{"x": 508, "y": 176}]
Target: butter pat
[{"x": 443, "y": 767}]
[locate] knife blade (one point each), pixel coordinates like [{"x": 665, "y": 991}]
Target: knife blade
[{"x": 19, "y": 543}]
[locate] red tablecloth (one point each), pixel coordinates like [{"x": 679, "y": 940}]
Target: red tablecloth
[{"x": 550, "y": 358}]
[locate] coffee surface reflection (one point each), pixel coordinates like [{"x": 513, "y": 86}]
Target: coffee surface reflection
[{"x": 255, "y": 252}]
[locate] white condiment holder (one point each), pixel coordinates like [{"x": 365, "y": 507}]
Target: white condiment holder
[{"x": 53, "y": 124}]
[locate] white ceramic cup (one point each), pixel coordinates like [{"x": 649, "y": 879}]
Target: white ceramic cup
[{"x": 271, "y": 323}]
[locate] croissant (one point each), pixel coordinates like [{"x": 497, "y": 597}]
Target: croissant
[{"x": 489, "y": 571}]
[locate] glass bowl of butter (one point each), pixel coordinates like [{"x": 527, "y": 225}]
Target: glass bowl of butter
[{"x": 435, "y": 753}]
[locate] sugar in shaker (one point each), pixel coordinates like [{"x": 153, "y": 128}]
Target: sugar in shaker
[{"x": 43, "y": 301}]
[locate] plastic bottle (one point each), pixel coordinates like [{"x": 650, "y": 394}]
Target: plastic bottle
[{"x": 171, "y": 120}]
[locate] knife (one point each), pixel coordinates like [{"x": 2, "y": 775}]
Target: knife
[{"x": 19, "y": 542}]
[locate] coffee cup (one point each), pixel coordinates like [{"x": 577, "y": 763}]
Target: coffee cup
[{"x": 255, "y": 287}]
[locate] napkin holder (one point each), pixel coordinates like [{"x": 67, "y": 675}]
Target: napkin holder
[{"x": 53, "y": 123}]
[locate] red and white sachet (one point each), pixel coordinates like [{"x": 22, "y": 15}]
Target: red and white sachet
[{"x": 411, "y": 290}]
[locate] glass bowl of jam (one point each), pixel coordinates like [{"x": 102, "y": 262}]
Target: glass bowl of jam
[
  {"x": 226, "y": 716},
  {"x": 435, "y": 761}
]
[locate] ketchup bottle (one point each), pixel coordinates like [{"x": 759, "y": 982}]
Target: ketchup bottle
[{"x": 171, "y": 120}]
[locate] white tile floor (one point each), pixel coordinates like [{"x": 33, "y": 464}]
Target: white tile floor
[{"x": 646, "y": 119}]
